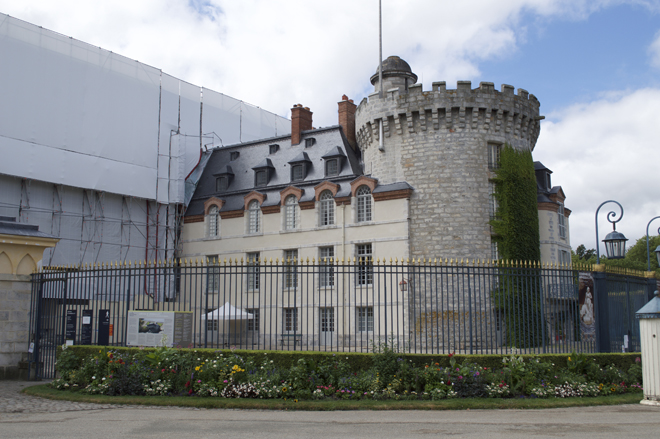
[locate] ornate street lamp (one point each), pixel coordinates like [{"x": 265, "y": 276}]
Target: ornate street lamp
[
  {"x": 615, "y": 242},
  {"x": 648, "y": 253}
]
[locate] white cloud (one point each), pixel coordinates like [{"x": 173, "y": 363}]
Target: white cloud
[
  {"x": 276, "y": 54},
  {"x": 654, "y": 51},
  {"x": 604, "y": 150}
]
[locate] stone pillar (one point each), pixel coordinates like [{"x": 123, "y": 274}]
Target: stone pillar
[{"x": 21, "y": 249}]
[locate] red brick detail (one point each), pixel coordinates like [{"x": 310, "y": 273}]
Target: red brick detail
[
  {"x": 291, "y": 190},
  {"x": 213, "y": 201},
  {"x": 301, "y": 120},
  {"x": 193, "y": 219},
  {"x": 343, "y": 200},
  {"x": 254, "y": 195},
  {"x": 232, "y": 214},
  {"x": 326, "y": 185},
  {"x": 270, "y": 209},
  {"x": 307, "y": 205},
  {"x": 550, "y": 207},
  {"x": 347, "y": 119},
  {"x": 392, "y": 195},
  {"x": 363, "y": 181}
]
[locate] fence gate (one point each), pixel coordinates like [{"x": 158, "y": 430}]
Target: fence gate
[{"x": 47, "y": 322}]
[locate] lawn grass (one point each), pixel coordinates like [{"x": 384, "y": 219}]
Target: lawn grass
[{"x": 45, "y": 391}]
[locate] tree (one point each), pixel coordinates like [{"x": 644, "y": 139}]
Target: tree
[{"x": 583, "y": 254}]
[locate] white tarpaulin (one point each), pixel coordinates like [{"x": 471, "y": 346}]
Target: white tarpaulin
[{"x": 228, "y": 312}]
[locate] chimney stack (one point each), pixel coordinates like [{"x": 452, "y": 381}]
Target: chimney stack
[
  {"x": 301, "y": 120},
  {"x": 347, "y": 119}
]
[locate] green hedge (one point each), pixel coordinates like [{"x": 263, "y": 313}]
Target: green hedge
[{"x": 363, "y": 361}]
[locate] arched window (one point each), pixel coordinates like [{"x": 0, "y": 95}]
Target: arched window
[
  {"x": 290, "y": 207},
  {"x": 327, "y": 212},
  {"x": 363, "y": 195},
  {"x": 214, "y": 222},
  {"x": 254, "y": 212}
]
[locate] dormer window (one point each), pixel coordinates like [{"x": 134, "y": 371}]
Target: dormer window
[
  {"x": 261, "y": 178},
  {"x": 310, "y": 142},
  {"x": 262, "y": 173},
  {"x": 298, "y": 172},
  {"x": 333, "y": 161},
  {"x": 221, "y": 184},
  {"x": 300, "y": 166},
  {"x": 234, "y": 155},
  {"x": 272, "y": 149},
  {"x": 331, "y": 167}
]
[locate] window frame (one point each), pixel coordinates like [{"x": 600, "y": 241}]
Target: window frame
[
  {"x": 213, "y": 218},
  {"x": 364, "y": 319},
  {"x": 221, "y": 183},
  {"x": 364, "y": 204},
  {"x": 254, "y": 217},
  {"x": 263, "y": 181},
  {"x": 290, "y": 319},
  {"x": 494, "y": 155},
  {"x": 291, "y": 212},
  {"x": 212, "y": 273},
  {"x": 326, "y": 268},
  {"x": 561, "y": 221},
  {"x": 334, "y": 161},
  {"x": 298, "y": 167},
  {"x": 253, "y": 271},
  {"x": 364, "y": 275},
  {"x": 290, "y": 260},
  {"x": 253, "y": 324},
  {"x": 326, "y": 208}
]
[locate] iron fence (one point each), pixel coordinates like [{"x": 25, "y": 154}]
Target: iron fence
[{"x": 417, "y": 307}]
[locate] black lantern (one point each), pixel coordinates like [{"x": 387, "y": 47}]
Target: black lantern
[
  {"x": 615, "y": 245},
  {"x": 657, "y": 253}
]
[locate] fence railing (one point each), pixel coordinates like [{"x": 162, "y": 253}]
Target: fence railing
[{"x": 419, "y": 306}]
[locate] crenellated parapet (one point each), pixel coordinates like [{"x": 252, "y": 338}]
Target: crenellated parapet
[{"x": 483, "y": 110}]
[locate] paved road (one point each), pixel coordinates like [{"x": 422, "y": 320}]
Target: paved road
[{"x": 24, "y": 416}]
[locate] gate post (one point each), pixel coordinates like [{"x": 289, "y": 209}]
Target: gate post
[{"x": 602, "y": 309}]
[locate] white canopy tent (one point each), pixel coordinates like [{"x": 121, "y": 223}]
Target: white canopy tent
[{"x": 228, "y": 312}]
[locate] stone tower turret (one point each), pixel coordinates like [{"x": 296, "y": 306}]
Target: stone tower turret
[{"x": 445, "y": 144}]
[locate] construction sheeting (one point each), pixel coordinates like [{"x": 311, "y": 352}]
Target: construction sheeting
[{"x": 77, "y": 115}]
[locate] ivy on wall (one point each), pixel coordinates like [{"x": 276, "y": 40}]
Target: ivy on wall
[{"x": 516, "y": 227}]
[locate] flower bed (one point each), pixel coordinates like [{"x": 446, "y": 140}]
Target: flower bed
[{"x": 170, "y": 371}]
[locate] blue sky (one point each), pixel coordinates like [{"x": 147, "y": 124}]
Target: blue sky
[{"x": 593, "y": 64}]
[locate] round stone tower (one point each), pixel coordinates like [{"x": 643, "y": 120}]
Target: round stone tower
[{"x": 444, "y": 143}]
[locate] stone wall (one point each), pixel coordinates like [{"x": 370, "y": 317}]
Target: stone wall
[
  {"x": 437, "y": 141},
  {"x": 15, "y": 293}
]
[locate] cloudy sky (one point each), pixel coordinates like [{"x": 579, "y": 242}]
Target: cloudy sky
[{"x": 594, "y": 66}]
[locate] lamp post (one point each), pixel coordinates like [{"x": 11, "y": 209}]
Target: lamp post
[
  {"x": 648, "y": 252},
  {"x": 615, "y": 242}
]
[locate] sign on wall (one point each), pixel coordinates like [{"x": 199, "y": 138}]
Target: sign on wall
[{"x": 159, "y": 328}]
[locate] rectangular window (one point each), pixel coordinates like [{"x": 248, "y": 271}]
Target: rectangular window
[
  {"x": 221, "y": 184},
  {"x": 561, "y": 221},
  {"x": 213, "y": 273},
  {"x": 492, "y": 201},
  {"x": 331, "y": 167},
  {"x": 253, "y": 323},
  {"x": 494, "y": 151},
  {"x": 326, "y": 269},
  {"x": 273, "y": 148},
  {"x": 253, "y": 271},
  {"x": 365, "y": 274},
  {"x": 297, "y": 173},
  {"x": 234, "y": 155},
  {"x": 290, "y": 268},
  {"x": 494, "y": 253},
  {"x": 211, "y": 325},
  {"x": 365, "y": 319},
  {"x": 290, "y": 319},
  {"x": 327, "y": 319},
  {"x": 564, "y": 257},
  {"x": 260, "y": 178},
  {"x": 309, "y": 142}
]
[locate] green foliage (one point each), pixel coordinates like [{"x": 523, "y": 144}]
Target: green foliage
[{"x": 516, "y": 225}]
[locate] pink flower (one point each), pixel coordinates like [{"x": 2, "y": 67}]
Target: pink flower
[
  {"x": 224, "y": 381},
  {"x": 199, "y": 381}
]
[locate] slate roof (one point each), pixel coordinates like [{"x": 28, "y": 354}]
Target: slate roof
[
  {"x": 329, "y": 142},
  {"x": 9, "y": 226}
]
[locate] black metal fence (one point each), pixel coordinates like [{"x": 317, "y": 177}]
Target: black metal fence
[{"x": 418, "y": 307}]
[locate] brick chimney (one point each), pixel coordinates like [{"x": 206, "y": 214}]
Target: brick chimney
[
  {"x": 347, "y": 119},
  {"x": 301, "y": 120}
]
